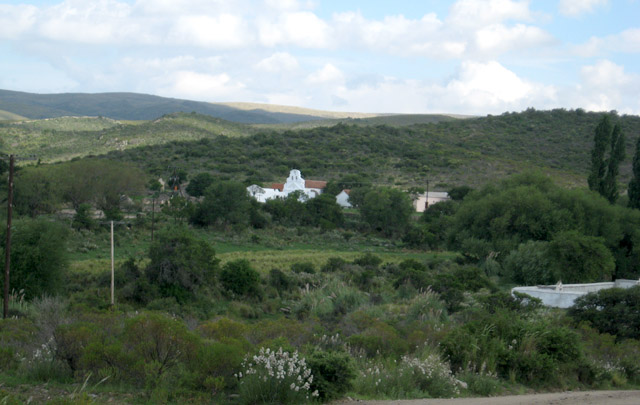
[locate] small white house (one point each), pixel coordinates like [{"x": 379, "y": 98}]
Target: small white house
[
  {"x": 426, "y": 200},
  {"x": 342, "y": 199},
  {"x": 295, "y": 182}
]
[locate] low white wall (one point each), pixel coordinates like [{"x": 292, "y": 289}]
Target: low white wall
[{"x": 563, "y": 296}]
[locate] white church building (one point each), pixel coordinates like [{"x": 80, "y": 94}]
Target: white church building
[{"x": 295, "y": 182}]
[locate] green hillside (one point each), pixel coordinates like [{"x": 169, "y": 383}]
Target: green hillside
[
  {"x": 133, "y": 106},
  {"x": 9, "y": 116},
  {"x": 472, "y": 151},
  {"x": 68, "y": 137},
  {"x": 394, "y": 120},
  {"x": 446, "y": 152}
]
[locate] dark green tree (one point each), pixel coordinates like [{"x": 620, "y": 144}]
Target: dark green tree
[
  {"x": 180, "y": 264},
  {"x": 387, "y": 210},
  {"x": 615, "y": 311},
  {"x": 634, "y": 184},
  {"x": 606, "y": 155},
  {"x": 576, "y": 258},
  {"x": 38, "y": 256},
  {"x": 199, "y": 184},
  {"x": 225, "y": 202}
]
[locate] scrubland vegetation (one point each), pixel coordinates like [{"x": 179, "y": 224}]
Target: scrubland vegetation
[{"x": 295, "y": 301}]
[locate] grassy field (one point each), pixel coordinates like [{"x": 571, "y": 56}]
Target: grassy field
[{"x": 278, "y": 248}]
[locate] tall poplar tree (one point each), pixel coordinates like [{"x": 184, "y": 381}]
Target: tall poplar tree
[
  {"x": 606, "y": 155},
  {"x": 634, "y": 184}
]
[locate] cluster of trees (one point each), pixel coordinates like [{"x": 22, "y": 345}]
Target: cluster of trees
[
  {"x": 99, "y": 182},
  {"x": 533, "y": 231}
]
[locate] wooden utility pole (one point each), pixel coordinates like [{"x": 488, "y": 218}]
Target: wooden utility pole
[
  {"x": 7, "y": 250},
  {"x": 113, "y": 301}
]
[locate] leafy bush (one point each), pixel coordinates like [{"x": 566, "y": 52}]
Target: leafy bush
[
  {"x": 38, "y": 256},
  {"x": 615, "y": 311},
  {"x": 239, "y": 278},
  {"x": 180, "y": 264},
  {"x": 580, "y": 259},
  {"x": 157, "y": 344},
  {"x": 275, "y": 377},
  {"x": 333, "y": 373},
  {"x": 213, "y": 365},
  {"x": 529, "y": 264}
]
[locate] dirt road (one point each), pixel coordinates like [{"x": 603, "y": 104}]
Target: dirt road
[{"x": 559, "y": 398}]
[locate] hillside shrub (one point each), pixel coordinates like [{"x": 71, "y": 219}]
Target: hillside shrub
[
  {"x": 529, "y": 264},
  {"x": 333, "y": 373},
  {"x": 213, "y": 366},
  {"x": 38, "y": 257},
  {"x": 180, "y": 264},
  {"x": 411, "y": 377},
  {"x": 614, "y": 311},
  {"x": 275, "y": 377},
  {"x": 157, "y": 344},
  {"x": 239, "y": 278}
]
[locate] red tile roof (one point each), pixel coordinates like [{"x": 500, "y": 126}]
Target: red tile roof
[
  {"x": 278, "y": 186},
  {"x": 315, "y": 184}
]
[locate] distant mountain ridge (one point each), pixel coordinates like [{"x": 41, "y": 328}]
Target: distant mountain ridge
[{"x": 135, "y": 106}]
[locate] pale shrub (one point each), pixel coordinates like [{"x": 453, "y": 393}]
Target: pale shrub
[{"x": 277, "y": 377}]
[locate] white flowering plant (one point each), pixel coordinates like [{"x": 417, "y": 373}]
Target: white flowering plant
[
  {"x": 409, "y": 377},
  {"x": 275, "y": 376}
]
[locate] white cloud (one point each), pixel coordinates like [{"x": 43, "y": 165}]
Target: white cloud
[
  {"x": 278, "y": 62},
  {"x": 497, "y": 38},
  {"x": 301, "y": 28},
  {"x": 575, "y": 8},
  {"x": 204, "y": 86},
  {"x": 627, "y": 41},
  {"x": 100, "y": 22},
  {"x": 328, "y": 74},
  {"x": 478, "y": 13},
  {"x": 489, "y": 83},
  {"x": 16, "y": 20},
  {"x": 606, "y": 86},
  {"x": 220, "y": 31}
]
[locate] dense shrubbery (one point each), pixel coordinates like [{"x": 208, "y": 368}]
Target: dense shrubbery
[
  {"x": 588, "y": 239},
  {"x": 614, "y": 311}
]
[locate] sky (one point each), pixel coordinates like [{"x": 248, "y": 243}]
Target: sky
[{"x": 472, "y": 57}]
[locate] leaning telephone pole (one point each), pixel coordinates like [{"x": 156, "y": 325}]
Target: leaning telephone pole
[{"x": 7, "y": 250}]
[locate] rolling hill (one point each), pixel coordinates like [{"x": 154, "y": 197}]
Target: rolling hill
[{"x": 133, "y": 106}]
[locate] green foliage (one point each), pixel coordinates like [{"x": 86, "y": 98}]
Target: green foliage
[
  {"x": 239, "y": 278},
  {"x": 83, "y": 218},
  {"x": 225, "y": 202},
  {"x": 180, "y": 264},
  {"x": 615, "y": 311},
  {"x": 35, "y": 192},
  {"x": 333, "y": 373},
  {"x": 386, "y": 210},
  {"x": 503, "y": 342},
  {"x": 38, "y": 256},
  {"x": 497, "y": 219},
  {"x": 325, "y": 212},
  {"x": 529, "y": 264},
  {"x": 411, "y": 377},
  {"x": 576, "y": 258},
  {"x": 199, "y": 183},
  {"x": 607, "y": 153},
  {"x": 458, "y": 193},
  {"x": 634, "y": 184},
  {"x": 100, "y": 181},
  {"x": 157, "y": 344}
]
